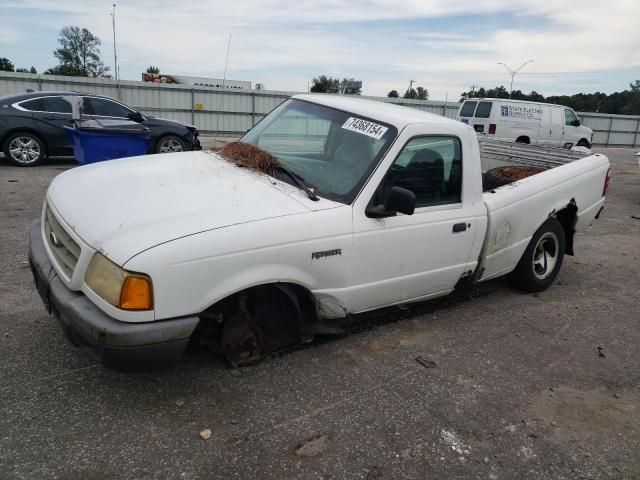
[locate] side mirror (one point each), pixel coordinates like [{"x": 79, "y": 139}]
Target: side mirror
[
  {"x": 136, "y": 117},
  {"x": 576, "y": 123},
  {"x": 399, "y": 200}
]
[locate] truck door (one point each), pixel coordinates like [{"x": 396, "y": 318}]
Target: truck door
[
  {"x": 481, "y": 119},
  {"x": 557, "y": 126},
  {"x": 409, "y": 257},
  {"x": 50, "y": 121},
  {"x": 466, "y": 112},
  {"x": 545, "y": 131},
  {"x": 571, "y": 123}
]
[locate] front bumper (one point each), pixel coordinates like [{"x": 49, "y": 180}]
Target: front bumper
[
  {"x": 119, "y": 345},
  {"x": 195, "y": 142}
]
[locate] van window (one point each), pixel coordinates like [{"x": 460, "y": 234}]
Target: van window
[
  {"x": 467, "y": 109},
  {"x": 569, "y": 117},
  {"x": 483, "y": 110}
]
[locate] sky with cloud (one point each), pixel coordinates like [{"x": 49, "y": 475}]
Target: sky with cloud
[{"x": 444, "y": 45}]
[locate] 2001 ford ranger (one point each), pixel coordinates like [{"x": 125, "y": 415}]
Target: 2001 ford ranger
[{"x": 372, "y": 205}]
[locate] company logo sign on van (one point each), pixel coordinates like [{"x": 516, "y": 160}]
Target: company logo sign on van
[{"x": 520, "y": 112}]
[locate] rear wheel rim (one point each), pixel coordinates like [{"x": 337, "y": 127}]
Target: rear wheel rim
[
  {"x": 171, "y": 145},
  {"x": 545, "y": 255},
  {"x": 24, "y": 150}
]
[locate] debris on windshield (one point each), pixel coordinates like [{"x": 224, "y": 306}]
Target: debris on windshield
[{"x": 249, "y": 156}]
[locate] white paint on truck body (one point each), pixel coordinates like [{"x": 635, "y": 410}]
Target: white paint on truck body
[{"x": 203, "y": 229}]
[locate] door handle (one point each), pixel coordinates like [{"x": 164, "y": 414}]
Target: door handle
[{"x": 459, "y": 227}]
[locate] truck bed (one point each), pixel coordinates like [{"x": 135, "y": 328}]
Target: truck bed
[
  {"x": 494, "y": 153},
  {"x": 571, "y": 179}
]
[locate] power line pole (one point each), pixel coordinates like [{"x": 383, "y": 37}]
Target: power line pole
[
  {"x": 513, "y": 73},
  {"x": 115, "y": 53}
]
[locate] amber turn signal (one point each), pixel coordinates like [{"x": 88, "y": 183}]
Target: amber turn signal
[{"x": 136, "y": 293}]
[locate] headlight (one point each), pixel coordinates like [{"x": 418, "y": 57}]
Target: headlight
[{"x": 122, "y": 289}]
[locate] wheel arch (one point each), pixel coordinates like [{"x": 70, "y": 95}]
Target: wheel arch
[
  {"x": 523, "y": 139},
  {"x": 307, "y": 301},
  {"x": 567, "y": 217}
]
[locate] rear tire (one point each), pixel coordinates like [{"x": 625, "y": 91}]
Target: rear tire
[
  {"x": 523, "y": 140},
  {"x": 24, "y": 149},
  {"x": 541, "y": 261},
  {"x": 583, "y": 143}
]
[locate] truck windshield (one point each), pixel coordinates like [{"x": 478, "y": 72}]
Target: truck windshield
[{"x": 334, "y": 152}]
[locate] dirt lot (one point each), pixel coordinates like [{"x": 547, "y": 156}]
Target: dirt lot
[{"x": 525, "y": 386}]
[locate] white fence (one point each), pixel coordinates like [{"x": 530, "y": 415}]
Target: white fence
[{"x": 232, "y": 113}]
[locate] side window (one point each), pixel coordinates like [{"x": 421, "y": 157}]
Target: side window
[
  {"x": 104, "y": 108},
  {"x": 55, "y": 105},
  {"x": 468, "y": 108},
  {"x": 483, "y": 110},
  {"x": 569, "y": 117},
  {"x": 431, "y": 167},
  {"x": 34, "y": 105}
]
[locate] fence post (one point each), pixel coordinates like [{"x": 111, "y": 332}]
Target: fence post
[
  {"x": 39, "y": 83},
  {"x": 444, "y": 109},
  {"x": 253, "y": 109},
  {"x": 193, "y": 107},
  {"x": 609, "y": 131}
]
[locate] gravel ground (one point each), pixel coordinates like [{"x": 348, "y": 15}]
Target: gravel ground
[{"x": 520, "y": 388}]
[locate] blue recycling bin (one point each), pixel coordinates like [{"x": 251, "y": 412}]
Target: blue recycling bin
[{"x": 97, "y": 140}]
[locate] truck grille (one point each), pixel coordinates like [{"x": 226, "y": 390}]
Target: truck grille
[{"x": 65, "y": 250}]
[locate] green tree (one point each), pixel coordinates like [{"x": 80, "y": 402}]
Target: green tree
[
  {"x": 22, "y": 70},
  {"x": 79, "y": 54},
  {"x": 350, "y": 86},
  {"x": 324, "y": 84},
  {"x": 153, "y": 69},
  {"x": 423, "y": 93},
  {"x": 33, "y": 70},
  {"x": 6, "y": 65},
  {"x": 393, "y": 94},
  {"x": 410, "y": 93}
]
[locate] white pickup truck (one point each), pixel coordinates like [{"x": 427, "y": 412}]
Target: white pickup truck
[{"x": 371, "y": 205}]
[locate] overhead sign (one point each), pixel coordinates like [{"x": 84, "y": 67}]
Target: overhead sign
[{"x": 197, "y": 81}]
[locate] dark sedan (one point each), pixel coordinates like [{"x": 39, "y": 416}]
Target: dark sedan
[{"x": 31, "y": 126}]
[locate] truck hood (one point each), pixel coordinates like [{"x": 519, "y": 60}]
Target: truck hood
[{"x": 123, "y": 207}]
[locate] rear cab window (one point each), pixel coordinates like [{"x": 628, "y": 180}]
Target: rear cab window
[{"x": 468, "y": 108}]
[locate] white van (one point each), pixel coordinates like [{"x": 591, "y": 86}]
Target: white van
[{"x": 525, "y": 122}]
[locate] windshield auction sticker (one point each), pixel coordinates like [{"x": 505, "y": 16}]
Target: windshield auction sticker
[{"x": 369, "y": 129}]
